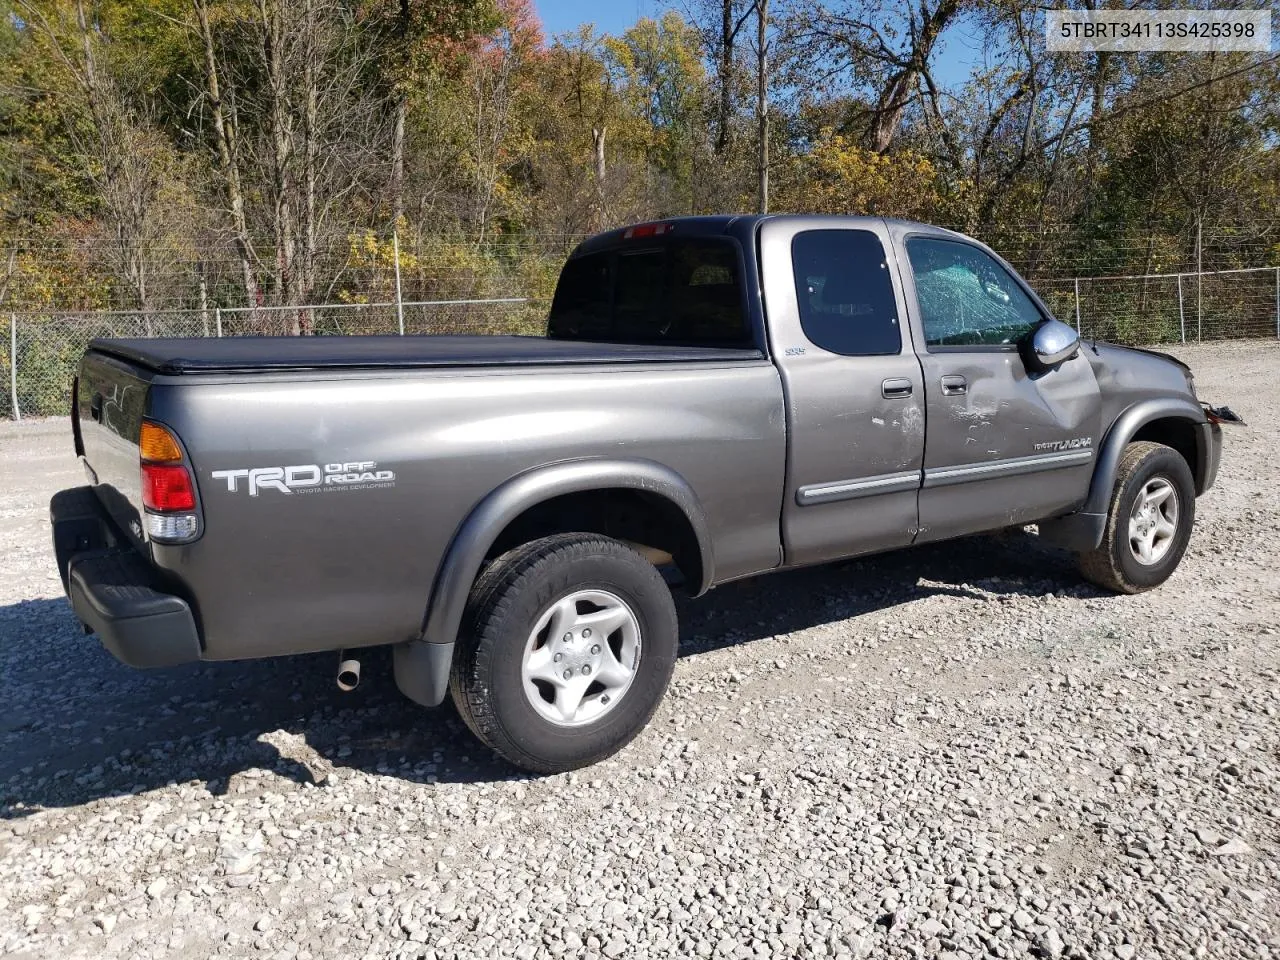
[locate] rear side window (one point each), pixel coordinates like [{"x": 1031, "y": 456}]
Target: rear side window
[
  {"x": 582, "y": 297},
  {"x": 678, "y": 291},
  {"x": 845, "y": 292}
]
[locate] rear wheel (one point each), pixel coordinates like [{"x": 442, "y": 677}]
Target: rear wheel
[
  {"x": 1149, "y": 522},
  {"x": 565, "y": 652}
]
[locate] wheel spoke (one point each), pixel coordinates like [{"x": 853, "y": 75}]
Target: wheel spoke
[
  {"x": 1144, "y": 548},
  {"x": 539, "y": 666},
  {"x": 563, "y": 614},
  {"x": 1158, "y": 495},
  {"x": 613, "y": 673},
  {"x": 1165, "y": 527},
  {"x": 569, "y": 696},
  {"x": 603, "y": 622}
]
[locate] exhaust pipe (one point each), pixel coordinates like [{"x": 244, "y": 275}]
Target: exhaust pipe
[{"x": 348, "y": 673}]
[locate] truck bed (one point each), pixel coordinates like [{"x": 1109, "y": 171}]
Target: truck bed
[{"x": 181, "y": 355}]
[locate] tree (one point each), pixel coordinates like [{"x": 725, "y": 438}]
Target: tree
[
  {"x": 124, "y": 158},
  {"x": 201, "y": 153},
  {"x": 762, "y": 102},
  {"x": 297, "y": 132},
  {"x": 226, "y": 140},
  {"x": 416, "y": 34},
  {"x": 656, "y": 66},
  {"x": 838, "y": 176},
  {"x": 881, "y": 49}
]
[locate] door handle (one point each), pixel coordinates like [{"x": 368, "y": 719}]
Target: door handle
[
  {"x": 895, "y": 388},
  {"x": 954, "y": 385}
]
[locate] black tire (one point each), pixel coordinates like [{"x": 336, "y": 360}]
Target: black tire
[
  {"x": 1113, "y": 564},
  {"x": 505, "y": 605}
]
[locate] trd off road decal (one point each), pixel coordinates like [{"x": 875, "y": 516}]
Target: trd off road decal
[{"x": 307, "y": 478}]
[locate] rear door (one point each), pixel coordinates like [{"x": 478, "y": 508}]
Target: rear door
[
  {"x": 1005, "y": 446},
  {"x": 854, "y": 393}
]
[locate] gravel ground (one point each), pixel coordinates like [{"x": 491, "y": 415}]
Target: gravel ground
[{"x": 904, "y": 756}]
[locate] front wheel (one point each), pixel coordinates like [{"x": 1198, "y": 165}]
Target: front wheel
[
  {"x": 1153, "y": 506},
  {"x": 566, "y": 649}
]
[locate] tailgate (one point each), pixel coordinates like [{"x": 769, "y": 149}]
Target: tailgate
[{"x": 111, "y": 397}]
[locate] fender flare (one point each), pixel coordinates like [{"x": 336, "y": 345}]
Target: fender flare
[
  {"x": 487, "y": 520},
  {"x": 1083, "y": 530},
  {"x": 1122, "y": 431}
]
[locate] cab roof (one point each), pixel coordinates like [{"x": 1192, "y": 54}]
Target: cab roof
[{"x": 735, "y": 224}]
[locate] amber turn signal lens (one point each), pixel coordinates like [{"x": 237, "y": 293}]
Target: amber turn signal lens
[{"x": 157, "y": 445}]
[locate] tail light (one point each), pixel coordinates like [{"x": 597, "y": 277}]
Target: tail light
[
  {"x": 168, "y": 489},
  {"x": 157, "y": 445}
]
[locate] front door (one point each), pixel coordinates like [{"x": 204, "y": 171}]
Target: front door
[
  {"x": 854, "y": 391},
  {"x": 1005, "y": 446}
]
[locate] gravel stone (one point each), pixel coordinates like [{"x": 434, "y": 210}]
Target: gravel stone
[
  {"x": 1234, "y": 847},
  {"x": 931, "y": 928}
]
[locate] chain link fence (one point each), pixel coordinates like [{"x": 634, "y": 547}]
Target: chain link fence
[
  {"x": 1171, "y": 307},
  {"x": 39, "y": 351}
]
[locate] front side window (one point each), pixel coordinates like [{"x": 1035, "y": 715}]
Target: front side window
[
  {"x": 845, "y": 292},
  {"x": 966, "y": 297}
]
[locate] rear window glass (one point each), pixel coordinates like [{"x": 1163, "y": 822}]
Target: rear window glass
[{"x": 678, "y": 291}]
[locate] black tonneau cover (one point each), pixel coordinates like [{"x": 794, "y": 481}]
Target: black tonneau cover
[{"x": 241, "y": 354}]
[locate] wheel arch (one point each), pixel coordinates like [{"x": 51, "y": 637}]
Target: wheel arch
[
  {"x": 1161, "y": 419},
  {"x": 1173, "y": 421},
  {"x": 495, "y": 524}
]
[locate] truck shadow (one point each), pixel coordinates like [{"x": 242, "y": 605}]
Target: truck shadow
[{"x": 77, "y": 726}]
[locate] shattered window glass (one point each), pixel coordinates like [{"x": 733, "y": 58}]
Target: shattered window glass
[{"x": 967, "y": 298}]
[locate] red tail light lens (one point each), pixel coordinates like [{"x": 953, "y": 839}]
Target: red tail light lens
[{"x": 167, "y": 487}]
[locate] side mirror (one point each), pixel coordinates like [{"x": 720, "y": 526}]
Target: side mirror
[{"x": 1050, "y": 344}]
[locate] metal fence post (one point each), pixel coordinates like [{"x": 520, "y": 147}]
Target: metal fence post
[
  {"x": 217, "y": 320},
  {"x": 1182, "y": 317},
  {"x": 1199, "y": 305},
  {"x": 1278, "y": 303},
  {"x": 395, "y": 247},
  {"x": 1077, "y": 284},
  {"x": 13, "y": 364}
]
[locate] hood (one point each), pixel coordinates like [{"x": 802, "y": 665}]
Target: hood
[
  {"x": 1156, "y": 353},
  {"x": 1144, "y": 372}
]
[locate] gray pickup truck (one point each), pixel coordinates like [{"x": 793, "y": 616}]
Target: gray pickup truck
[{"x": 715, "y": 398}]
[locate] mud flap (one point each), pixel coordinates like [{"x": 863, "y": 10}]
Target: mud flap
[
  {"x": 1076, "y": 531},
  {"x": 422, "y": 670}
]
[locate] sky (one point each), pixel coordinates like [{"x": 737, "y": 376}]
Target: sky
[{"x": 961, "y": 51}]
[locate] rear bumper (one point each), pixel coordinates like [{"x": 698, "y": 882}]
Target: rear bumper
[{"x": 114, "y": 591}]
